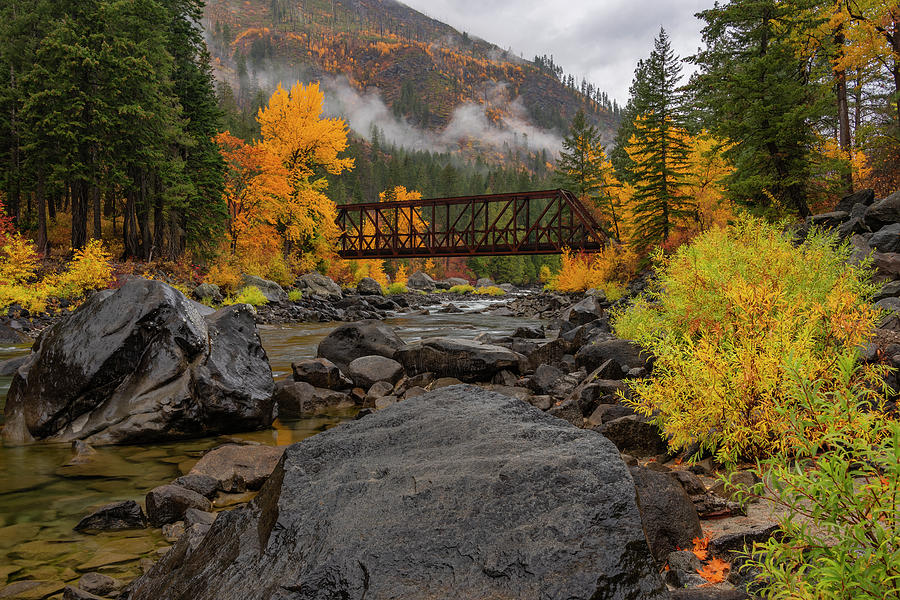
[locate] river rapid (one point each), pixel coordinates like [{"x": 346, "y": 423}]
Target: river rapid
[{"x": 42, "y": 498}]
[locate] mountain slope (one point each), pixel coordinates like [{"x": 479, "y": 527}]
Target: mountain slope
[{"x": 428, "y": 74}]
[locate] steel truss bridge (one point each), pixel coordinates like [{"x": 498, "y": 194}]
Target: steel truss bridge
[{"x": 542, "y": 222}]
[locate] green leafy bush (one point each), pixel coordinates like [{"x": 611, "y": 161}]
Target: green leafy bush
[
  {"x": 397, "y": 288},
  {"x": 838, "y": 533},
  {"x": 491, "y": 290},
  {"x": 462, "y": 289},
  {"x": 295, "y": 295},
  {"x": 614, "y": 291},
  {"x": 249, "y": 295},
  {"x": 729, "y": 314}
]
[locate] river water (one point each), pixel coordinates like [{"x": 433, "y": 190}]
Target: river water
[{"x": 42, "y": 498}]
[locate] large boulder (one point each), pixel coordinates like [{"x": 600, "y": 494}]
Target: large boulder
[
  {"x": 8, "y": 335},
  {"x": 369, "y": 287},
  {"x": 626, "y": 355},
  {"x": 454, "y": 281},
  {"x": 273, "y": 292},
  {"x": 421, "y": 281},
  {"x": 884, "y": 212},
  {"x": 864, "y": 197},
  {"x": 583, "y": 312},
  {"x": 126, "y": 514},
  {"x": 168, "y": 503},
  {"x": 238, "y": 468},
  {"x": 353, "y": 340},
  {"x": 886, "y": 239},
  {"x": 298, "y": 399},
  {"x": 140, "y": 364},
  {"x": 669, "y": 517},
  {"x": 366, "y": 371},
  {"x": 452, "y": 357},
  {"x": 459, "y": 493},
  {"x": 315, "y": 283},
  {"x": 208, "y": 291}
]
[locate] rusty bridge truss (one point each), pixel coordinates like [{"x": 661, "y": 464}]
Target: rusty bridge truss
[{"x": 496, "y": 224}]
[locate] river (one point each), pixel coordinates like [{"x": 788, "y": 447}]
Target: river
[{"x": 41, "y": 500}]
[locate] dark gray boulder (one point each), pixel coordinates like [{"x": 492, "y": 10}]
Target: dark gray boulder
[
  {"x": 140, "y": 364},
  {"x": 583, "y": 312},
  {"x": 886, "y": 239},
  {"x": 168, "y": 503},
  {"x": 454, "y": 281},
  {"x": 484, "y": 282},
  {"x": 464, "y": 359},
  {"x": 8, "y": 335},
  {"x": 238, "y": 468},
  {"x": 864, "y": 197},
  {"x": 321, "y": 373},
  {"x": 10, "y": 366},
  {"x": 273, "y": 292},
  {"x": 884, "y": 212},
  {"x": 369, "y": 287},
  {"x": 298, "y": 399},
  {"x": 363, "y": 338},
  {"x": 459, "y": 493},
  {"x": 669, "y": 517},
  {"x": 421, "y": 281},
  {"x": 126, "y": 514},
  {"x": 634, "y": 435},
  {"x": 202, "y": 484},
  {"x": 625, "y": 355},
  {"x": 369, "y": 370},
  {"x": 208, "y": 291},
  {"x": 315, "y": 283}
]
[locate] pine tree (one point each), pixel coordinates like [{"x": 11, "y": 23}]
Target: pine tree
[
  {"x": 755, "y": 91},
  {"x": 657, "y": 148}
]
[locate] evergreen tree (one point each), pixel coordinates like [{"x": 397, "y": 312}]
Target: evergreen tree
[
  {"x": 657, "y": 148},
  {"x": 755, "y": 91},
  {"x": 578, "y": 165}
]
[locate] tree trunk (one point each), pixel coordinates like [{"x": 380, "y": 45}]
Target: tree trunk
[
  {"x": 41, "y": 238},
  {"x": 79, "y": 214},
  {"x": 143, "y": 214},
  {"x": 52, "y": 201},
  {"x": 129, "y": 226},
  {"x": 95, "y": 201}
]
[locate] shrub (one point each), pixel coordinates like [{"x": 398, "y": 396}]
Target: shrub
[
  {"x": 729, "y": 314},
  {"x": 491, "y": 290},
  {"x": 397, "y": 288},
  {"x": 295, "y": 295},
  {"x": 838, "y": 528},
  {"x": 249, "y": 295},
  {"x": 614, "y": 291},
  {"x": 400, "y": 276},
  {"x": 18, "y": 260},
  {"x": 580, "y": 272},
  {"x": 462, "y": 289},
  {"x": 89, "y": 270}
]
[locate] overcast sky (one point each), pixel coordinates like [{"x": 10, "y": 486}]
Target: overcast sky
[{"x": 599, "y": 39}]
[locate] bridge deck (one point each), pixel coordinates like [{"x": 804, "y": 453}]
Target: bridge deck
[{"x": 542, "y": 222}]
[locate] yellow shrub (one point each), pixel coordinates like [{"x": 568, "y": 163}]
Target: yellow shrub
[
  {"x": 251, "y": 295},
  {"x": 397, "y": 288},
  {"x": 545, "y": 274},
  {"x": 225, "y": 275},
  {"x": 582, "y": 272},
  {"x": 18, "y": 260},
  {"x": 400, "y": 276},
  {"x": 89, "y": 270},
  {"x": 490, "y": 291},
  {"x": 32, "y": 297},
  {"x": 462, "y": 289},
  {"x": 733, "y": 314}
]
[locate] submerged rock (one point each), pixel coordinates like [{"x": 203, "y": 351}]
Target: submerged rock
[
  {"x": 141, "y": 364},
  {"x": 116, "y": 516},
  {"x": 460, "y": 493},
  {"x": 168, "y": 503},
  {"x": 464, "y": 359}
]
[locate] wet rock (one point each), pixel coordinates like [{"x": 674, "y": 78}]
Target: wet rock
[
  {"x": 208, "y": 291},
  {"x": 10, "y": 366},
  {"x": 884, "y": 212},
  {"x": 31, "y": 590},
  {"x": 202, "y": 484},
  {"x": 100, "y": 584},
  {"x": 379, "y": 389},
  {"x": 238, "y": 468},
  {"x": 886, "y": 239},
  {"x": 740, "y": 482},
  {"x": 421, "y": 281},
  {"x": 584, "y": 311},
  {"x": 472, "y": 532},
  {"x": 690, "y": 482},
  {"x": 140, "y": 364},
  {"x": 635, "y": 435},
  {"x": 669, "y": 518},
  {"x": 624, "y": 354},
  {"x": 193, "y": 516},
  {"x": 354, "y": 340},
  {"x": 173, "y": 531},
  {"x": 507, "y": 287},
  {"x": 74, "y": 593},
  {"x": 84, "y": 453},
  {"x": 319, "y": 285},
  {"x": 8, "y": 335},
  {"x": 451, "y": 309},
  {"x": 368, "y": 370},
  {"x": 167, "y": 504},
  {"x": 321, "y": 373},
  {"x": 737, "y": 542},
  {"x": 708, "y": 594},
  {"x": 464, "y": 359},
  {"x": 529, "y": 332},
  {"x": 864, "y": 197},
  {"x": 115, "y": 516},
  {"x": 369, "y": 287}
]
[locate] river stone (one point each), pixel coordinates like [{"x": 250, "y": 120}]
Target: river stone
[
  {"x": 634, "y": 435},
  {"x": 126, "y": 514},
  {"x": 208, "y": 291},
  {"x": 319, "y": 285},
  {"x": 9, "y": 367},
  {"x": 454, "y": 281},
  {"x": 368, "y": 370},
  {"x": 886, "y": 239},
  {"x": 100, "y": 584},
  {"x": 273, "y": 292},
  {"x": 669, "y": 518},
  {"x": 202, "y": 484},
  {"x": 322, "y": 373},
  {"x": 368, "y": 287},
  {"x": 421, "y": 281},
  {"x": 8, "y": 335},
  {"x": 139, "y": 365},
  {"x": 625, "y": 355},
  {"x": 353, "y": 340},
  {"x": 238, "y": 468},
  {"x": 584, "y": 312},
  {"x": 74, "y": 593},
  {"x": 298, "y": 399},
  {"x": 168, "y": 503},
  {"x": 884, "y": 212},
  {"x": 464, "y": 359},
  {"x": 484, "y": 282},
  {"x": 864, "y": 197},
  {"x": 460, "y": 493},
  {"x": 31, "y": 589}
]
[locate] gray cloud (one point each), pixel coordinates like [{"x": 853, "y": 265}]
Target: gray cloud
[{"x": 598, "y": 39}]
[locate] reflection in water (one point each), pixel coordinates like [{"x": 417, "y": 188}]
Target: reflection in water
[{"x": 42, "y": 498}]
